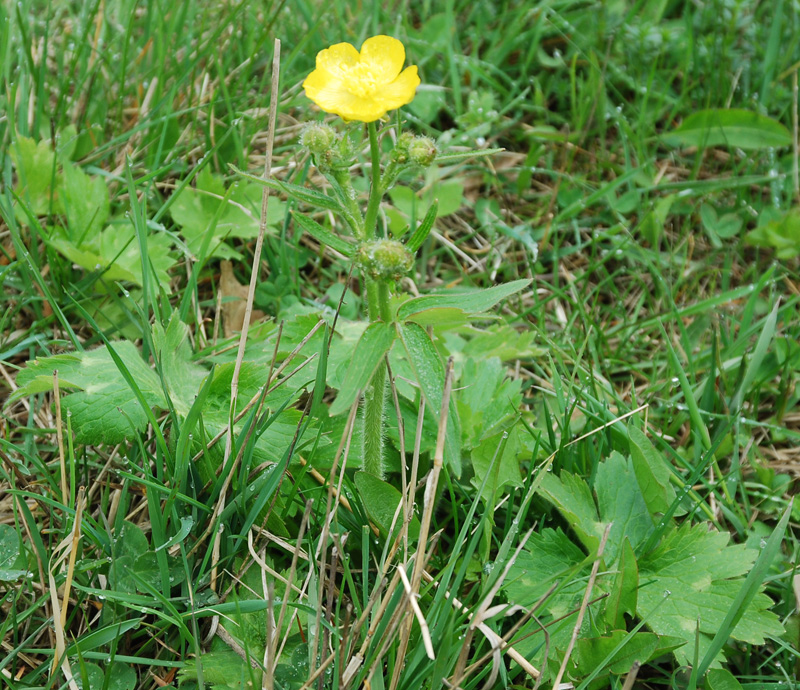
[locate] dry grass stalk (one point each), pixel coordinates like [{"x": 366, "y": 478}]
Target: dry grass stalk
[
  {"x": 68, "y": 551},
  {"x": 423, "y": 624},
  {"x": 630, "y": 679},
  {"x": 60, "y": 437},
  {"x": 433, "y": 477},
  {"x": 297, "y": 553},
  {"x": 344, "y": 448}
]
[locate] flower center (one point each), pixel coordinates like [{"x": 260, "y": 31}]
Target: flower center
[{"x": 361, "y": 80}]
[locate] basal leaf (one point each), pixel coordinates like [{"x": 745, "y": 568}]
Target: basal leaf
[
  {"x": 489, "y": 399},
  {"x": 381, "y": 501},
  {"x": 652, "y": 472},
  {"x": 744, "y": 129},
  {"x": 594, "y": 652},
  {"x": 781, "y": 233},
  {"x": 623, "y": 594},
  {"x": 114, "y": 251},
  {"x": 721, "y": 679},
  {"x": 694, "y": 575},
  {"x": 104, "y": 410},
  {"x": 502, "y": 470},
  {"x": 620, "y": 502},
  {"x": 182, "y": 377},
  {"x": 11, "y": 558},
  {"x": 86, "y": 204},
  {"x": 197, "y": 211},
  {"x": 548, "y": 557},
  {"x": 36, "y": 168},
  {"x": 573, "y": 498}
]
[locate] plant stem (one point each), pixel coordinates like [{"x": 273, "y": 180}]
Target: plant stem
[
  {"x": 378, "y": 307},
  {"x": 375, "y": 191}
]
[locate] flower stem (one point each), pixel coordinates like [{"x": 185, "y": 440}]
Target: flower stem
[
  {"x": 375, "y": 191},
  {"x": 378, "y": 307}
]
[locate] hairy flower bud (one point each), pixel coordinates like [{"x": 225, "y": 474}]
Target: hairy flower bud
[
  {"x": 318, "y": 138},
  {"x": 385, "y": 259},
  {"x": 422, "y": 151},
  {"x": 400, "y": 152}
]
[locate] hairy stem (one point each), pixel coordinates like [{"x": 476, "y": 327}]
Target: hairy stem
[{"x": 378, "y": 307}]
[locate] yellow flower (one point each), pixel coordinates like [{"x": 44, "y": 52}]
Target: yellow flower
[{"x": 362, "y": 86}]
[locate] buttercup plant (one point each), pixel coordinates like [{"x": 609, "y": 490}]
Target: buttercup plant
[{"x": 363, "y": 86}]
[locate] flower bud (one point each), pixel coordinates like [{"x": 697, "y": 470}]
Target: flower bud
[
  {"x": 400, "y": 152},
  {"x": 422, "y": 151},
  {"x": 385, "y": 259},
  {"x": 318, "y": 138}
]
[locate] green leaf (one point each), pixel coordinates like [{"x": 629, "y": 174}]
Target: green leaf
[
  {"x": 36, "y": 175},
  {"x": 781, "y": 233},
  {"x": 131, "y": 541},
  {"x": 748, "y": 591},
  {"x": 592, "y": 652},
  {"x": 103, "y": 636},
  {"x": 573, "y": 498},
  {"x": 381, "y": 501},
  {"x": 652, "y": 472},
  {"x": 429, "y": 372},
  {"x": 700, "y": 577},
  {"x": 369, "y": 352},
  {"x": 307, "y": 196},
  {"x": 457, "y": 157},
  {"x": 622, "y": 597},
  {"x": 182, "y": 377},
  {"x": 489, "y": 400},
  {"x": 423, "y": 229},
  {"x": 744, "y": 129},
  {"x": 88, "y": 676},
  {"x": 547, "y": 558},
  {"x": 121, "y": 676},
  {"x": 86, "y": 204},
  {"x": 105, "y": 410},
  {"x": 195, "y": 211},
  {"x": 621, "y": 503},
  {"x": 446, "y": 195},
  {"x": 471, "y": 302},
  {"x": 11, "y": 559},
  {"x": 222, "y": 669},
  {"x": 502, "y": 341},
  {"x": 505, "y": 470},
  {"x": 323, "y": 235},
  {"x": 721, "y": 679},
  {"x": 115, "y": 252}
]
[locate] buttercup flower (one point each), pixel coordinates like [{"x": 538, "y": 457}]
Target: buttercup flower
[{"x": 362, "y": 86}]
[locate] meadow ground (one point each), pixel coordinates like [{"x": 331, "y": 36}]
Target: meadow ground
[{"x": 591, "y": 435}]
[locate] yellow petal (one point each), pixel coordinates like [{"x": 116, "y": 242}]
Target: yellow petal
[
  {"x": 337, "y": 56},
  {"x": 384, "y": 55},
  {"x": 327, "y": 91},
  {"x": 362, "y": 109},
  {"x": 401, "y": 91}
]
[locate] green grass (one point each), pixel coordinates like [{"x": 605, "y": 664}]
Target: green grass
[{"x": 665, "y": 277}]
